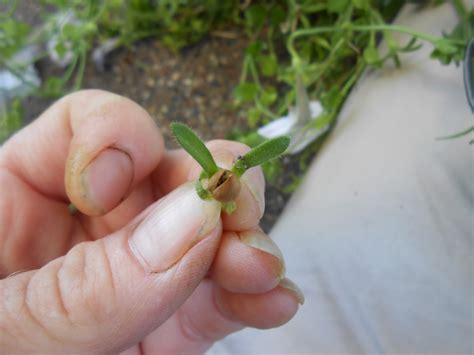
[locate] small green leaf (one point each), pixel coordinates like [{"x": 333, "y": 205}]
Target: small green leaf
[
  {"x": 445, "y": 46},
  {"x": 371, "y": 56},
  {"x": 195, "y": 147},
  {"x": 268, "y": 96},
  {"x": 60, "y": 49},
  {"x": 245, "y": 92},
  {"x": 262, "y": 153},
  {"x": 53, "y": 87},
  {"x": 268, "y": 64},
  {"x": 70, "y": 31},
  {"x": 361, "y": 4},
  {"x": 337, "y": 6},
  {"x": 277, "y": 15},
  {"x": 255, "y": 16},
  {"x": 253, "y": 117},
  {"x": 254, "y": 48},
  {"x": 323, "y": 120}
]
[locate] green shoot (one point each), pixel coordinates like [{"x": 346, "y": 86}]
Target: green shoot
[
  {"x": 195, "y": 147},
  {"x": 221, "y": 184},
  {"x": 260, "y": 154}
]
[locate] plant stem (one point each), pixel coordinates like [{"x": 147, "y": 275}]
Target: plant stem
[
  {"x": 80, "y": 72},
  {"x": 67, "y": 75},
  {"x": 463, "y": 15},
  {"x": 263, "y": 109},
  {"x": 461, "y": 10},
  {"x": 244, "y": 73},
  {"x": 359, "y": 28},
  {"x": 457, "y": 135},
  {"x": 253, "y": 71}
]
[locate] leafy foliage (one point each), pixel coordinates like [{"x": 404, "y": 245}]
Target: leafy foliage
[
  {"x": 328, "y": 43},
  {"x": 10, "y": 120}
]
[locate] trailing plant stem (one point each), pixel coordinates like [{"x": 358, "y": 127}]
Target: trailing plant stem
[{"x": 361, "y": 28}]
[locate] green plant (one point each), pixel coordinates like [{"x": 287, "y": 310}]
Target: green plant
[
  {"x": 10, "y": 119},
  {"x": 221, "y": 184},
  {"x": 340, "y": 40},
  {"x": 328, "y": 44}
]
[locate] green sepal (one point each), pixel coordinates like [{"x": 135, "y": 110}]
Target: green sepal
[{"x": 202, "y": 192}]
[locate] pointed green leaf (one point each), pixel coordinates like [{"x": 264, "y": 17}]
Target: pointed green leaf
[
  {"x": 195, "y": 147},
  {"x": 262, "y": 153}
]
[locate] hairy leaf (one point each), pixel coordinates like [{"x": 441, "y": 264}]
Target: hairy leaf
[
  {"x": 195, "y": 147},
  {"x": 262, "y": 153}
]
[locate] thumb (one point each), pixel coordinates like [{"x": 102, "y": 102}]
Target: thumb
[{"x": 107, "y": 295}]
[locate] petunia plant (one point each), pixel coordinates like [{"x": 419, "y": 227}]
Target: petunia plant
[{"x": 221, "y": 184}]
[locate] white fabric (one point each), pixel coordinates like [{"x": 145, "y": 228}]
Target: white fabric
[{"x": 380, "y": 234}]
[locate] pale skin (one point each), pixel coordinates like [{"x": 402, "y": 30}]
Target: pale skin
[{"x": 126, "y": 273}]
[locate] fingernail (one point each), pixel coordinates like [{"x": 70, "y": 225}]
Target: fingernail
[
  {"x": 254, "y": 180},
  {"x": 177, "y": 222},
  {"x": 290, "y": 285},
  {"x": 107, "y": 179},
  {"x": 263, "y": 242}
]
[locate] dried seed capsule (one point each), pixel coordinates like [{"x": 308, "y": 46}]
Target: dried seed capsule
[{"x": 224, "y": 186}]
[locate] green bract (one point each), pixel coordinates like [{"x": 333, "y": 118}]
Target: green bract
[{"x": 221, "y": 184}]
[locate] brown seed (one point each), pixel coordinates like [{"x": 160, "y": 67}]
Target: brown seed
[{"x": 224, "y": 186}]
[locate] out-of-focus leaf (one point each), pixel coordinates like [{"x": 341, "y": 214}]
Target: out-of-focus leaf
[
  {"x": 268, "y": 64},
  {"x": 245, "y": 92},
  {"x": 268, "y": 96},
  {"x": 337, "y": 6},
  {"x": 371, "y": 56}
]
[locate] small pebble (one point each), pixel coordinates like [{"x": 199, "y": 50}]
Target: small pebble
[{"x": 150, "y": 82}]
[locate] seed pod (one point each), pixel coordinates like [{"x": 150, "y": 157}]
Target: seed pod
[{"x": 224, "y": 186}]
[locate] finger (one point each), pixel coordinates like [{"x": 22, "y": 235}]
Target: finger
[
  {"x": 177, "y": 167},
  {"x": 90, "y": 147},
  {"x": 212, "y": 313},
  {"x": 106, "y": 295},
  {"x": 248, "y": 262}
]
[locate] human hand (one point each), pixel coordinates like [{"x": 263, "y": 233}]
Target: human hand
[{"x": 126, "y": 273}]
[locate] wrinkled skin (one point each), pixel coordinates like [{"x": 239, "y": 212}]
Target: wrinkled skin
[{"x": 78, "y": 286}]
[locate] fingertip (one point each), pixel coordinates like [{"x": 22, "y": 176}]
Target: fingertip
[
  {"x": 103, "y": 183},
  {"x": 250, "y": 203},
  {"x": 102, "y": 125},
  {"x": 264, "y": 311},
  {"x": 251, "y": 200},
  {"x": 293, "y": 288},
  {"x": 248, "y": 262}
]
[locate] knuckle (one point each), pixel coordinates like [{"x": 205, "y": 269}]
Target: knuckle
[
  {"x": 67, "y": 301},
  {"x": 85, "y": 281},
  {"x": 190, "y": 330}
]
